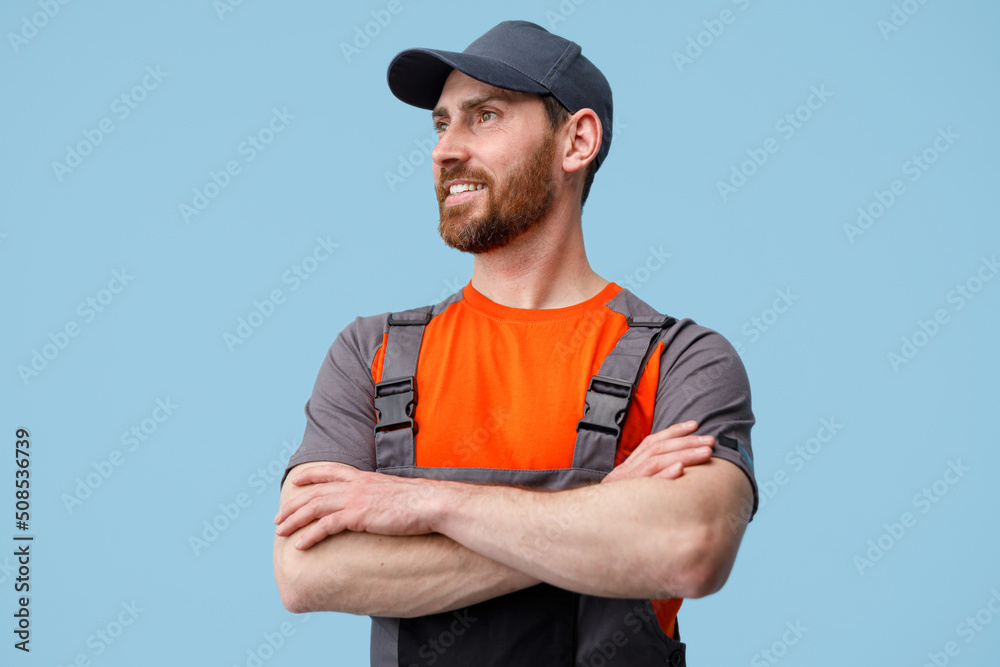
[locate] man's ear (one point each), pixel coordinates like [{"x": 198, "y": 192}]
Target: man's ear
[{"x": 583, "y": 134}]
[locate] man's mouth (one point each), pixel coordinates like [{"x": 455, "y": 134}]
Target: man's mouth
[
  {"x": 460, "y": 192},
  {"x": 465, "y": 187}
]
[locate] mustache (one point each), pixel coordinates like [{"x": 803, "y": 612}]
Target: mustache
[{"x": 462, "y": 172}]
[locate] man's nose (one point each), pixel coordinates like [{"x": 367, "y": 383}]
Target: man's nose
[{"x": 452, "y": 148}]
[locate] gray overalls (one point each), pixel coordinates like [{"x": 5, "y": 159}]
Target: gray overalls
[{"x": 543, "y": 625}]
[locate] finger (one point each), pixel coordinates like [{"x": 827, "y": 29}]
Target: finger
[
  {"x": 316, "y": 509},
  {"x": 294, "y": 503},
  {"x": 677, "y": 430},
  {"x": 317, "y": 531},
  {"x": 680, "y": 443},
  {"x": 627, "y": 467},
  {"x": 321, "y": 474},
  {"x": 696, "y": 455},
  {"x": 654, "y": 465},
  {"x": 683, "y": 441},
  {"x": 650, "y": 448},
  {"x": 672, "y": 471},
  {"x": 692, "y": 457},
  {"x": 669, "y": 439}
]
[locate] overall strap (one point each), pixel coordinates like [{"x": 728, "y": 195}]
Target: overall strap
[
  {"x": 610, "y": 393},
  {"x": 396, "y": 394}
]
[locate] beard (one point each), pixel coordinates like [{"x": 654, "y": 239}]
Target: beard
[{"x": 513, "y": 206}]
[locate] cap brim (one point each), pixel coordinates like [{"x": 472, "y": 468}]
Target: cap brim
[{"x": 417, "y": 76}]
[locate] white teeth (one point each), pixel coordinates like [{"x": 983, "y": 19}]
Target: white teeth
[{"x": 462, "y": 187}]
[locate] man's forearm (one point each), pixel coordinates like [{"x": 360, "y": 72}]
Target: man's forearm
[
  {"x": 383, "y": 575},
  {"x": 632, "y": 537},
  {"x": 635, "y": 538}
]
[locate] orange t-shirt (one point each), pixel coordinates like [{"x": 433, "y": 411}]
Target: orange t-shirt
[{"x": 503, "y": 388}]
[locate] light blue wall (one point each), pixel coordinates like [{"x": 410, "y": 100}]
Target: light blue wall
[{"x": 888, "y": 97}]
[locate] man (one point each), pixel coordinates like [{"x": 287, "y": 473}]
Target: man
[{"x": 564, "y": 464}]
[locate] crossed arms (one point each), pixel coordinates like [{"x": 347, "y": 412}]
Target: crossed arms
[{"x": 665, "y": 523}]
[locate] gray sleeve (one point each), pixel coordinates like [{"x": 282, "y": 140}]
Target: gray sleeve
[
  {"x": 340, "y": 414},
  {"x": 703, "y": 378}
]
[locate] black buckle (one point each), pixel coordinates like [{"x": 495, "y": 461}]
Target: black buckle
[
  {"x": 653, "y": 321},
  {"x": 395, "y": 402},
  {"x": 425, "y": 319},
  {"x": 607, "y": 403}
]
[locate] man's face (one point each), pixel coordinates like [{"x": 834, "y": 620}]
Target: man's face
[{"x": 493, "y": 164}]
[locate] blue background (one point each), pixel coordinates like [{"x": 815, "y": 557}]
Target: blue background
[{"x": 681, "y": 128}]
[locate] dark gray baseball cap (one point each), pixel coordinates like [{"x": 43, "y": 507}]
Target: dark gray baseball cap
[{"x": 514, "y": 55}]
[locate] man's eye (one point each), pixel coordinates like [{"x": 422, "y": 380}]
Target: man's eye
[
  {"x": 483, "y": 115},
  {"x": 440, "y": 126}
]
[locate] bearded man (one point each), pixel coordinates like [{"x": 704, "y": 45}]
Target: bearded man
[{"x": 574, "y": 463}]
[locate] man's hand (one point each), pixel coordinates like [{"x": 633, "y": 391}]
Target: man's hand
[
  {"x": 381, "y": 575},
  {"x": 343, "y": 498},
  {"x": 665, "y": 454}
]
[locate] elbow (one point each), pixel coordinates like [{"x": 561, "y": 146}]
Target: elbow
[
  {"x": 704, "y": 565},
  {"x": 306, "y": 582},
  {"x": 706, "y": 579},
  {"x": 293, "y": 600},
  {"x": 296, "y": 574},
  {"x": 294, "y": 592}
]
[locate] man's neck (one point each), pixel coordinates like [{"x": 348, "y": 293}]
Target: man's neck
[{"x": 546, "y": 267}]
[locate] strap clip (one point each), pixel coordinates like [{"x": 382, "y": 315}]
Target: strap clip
[
  {"x": 652, "y": 321},
  {"x": 422, "y": 320},
  {"x": 395, "y": 403},
  {"x": 607, "y": 402}
]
